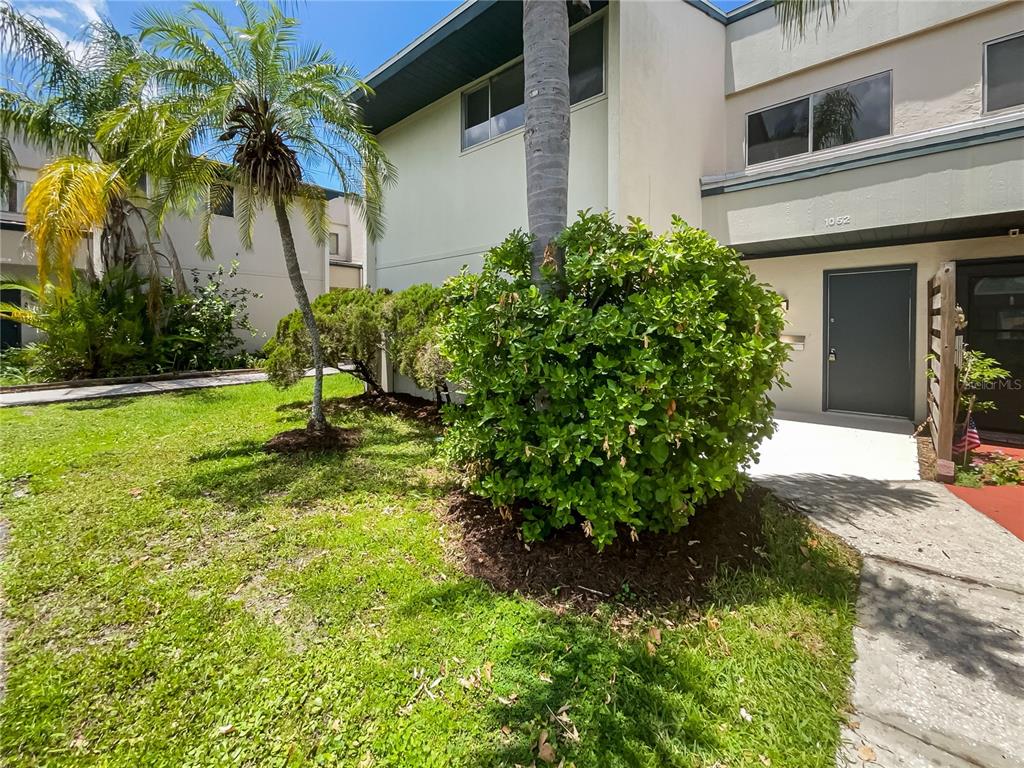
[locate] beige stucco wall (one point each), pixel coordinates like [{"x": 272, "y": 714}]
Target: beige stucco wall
[
  {"x": 449, "y": 206},
  {"x": 759, "y": 51},
  {"x": 261, "y": 269},
  {"x": 988, "y": 178},
  {"x": 800, "y": 280},
  {"x": 936, "y": 66},
  {"x": 670, "y": 64}
]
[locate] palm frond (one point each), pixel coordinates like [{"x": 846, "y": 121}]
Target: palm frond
[
  {"x": 797, "y": 16},
  {"x": 70, "y": 196}
]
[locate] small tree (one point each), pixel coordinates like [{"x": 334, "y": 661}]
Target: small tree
[
  {"x": 975, "y": 372},
  {"x": 358, "y": 327},
  {"x": 252, "y": 107}
]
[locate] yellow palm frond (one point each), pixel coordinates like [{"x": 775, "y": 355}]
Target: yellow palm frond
[{"x": 70, "y": 197}]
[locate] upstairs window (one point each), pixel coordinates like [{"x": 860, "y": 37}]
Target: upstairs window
[
  {"x": 222, "y": 200},
  {"x": 497, "y": 107},
  {"x": 845, "y": 114},
  {"x": 778, "y": 132},
  {"x": 14, "y": 196},
  {"x": 1004, "y": 73},
  {"x": 853, "y": 112}
]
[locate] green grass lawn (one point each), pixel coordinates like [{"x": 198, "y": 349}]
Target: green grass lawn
[{"x": 177, "y": 597}]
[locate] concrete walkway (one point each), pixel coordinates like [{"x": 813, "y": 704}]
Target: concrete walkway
[
  {"x": 70, "y": 394},
  {"x": 939, "y": 676},
  {"x": 858, "y": 446}
]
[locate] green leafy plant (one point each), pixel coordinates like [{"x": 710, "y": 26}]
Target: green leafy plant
[
  {"x": 113, "y": 328},
  {"x": 356, "y": 326},
  {"x": 413, "y": 320},
  {"x": 626, "y": 404},
  {"x": 202, "y": 326},
  {"x": 975, "y": 372},
  {"x": 94, "y": 330}
]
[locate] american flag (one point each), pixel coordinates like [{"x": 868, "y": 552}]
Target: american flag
[{"x": 970, "y": 440}]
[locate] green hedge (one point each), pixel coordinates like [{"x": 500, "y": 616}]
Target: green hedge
[{"x": 628, "y": 403}]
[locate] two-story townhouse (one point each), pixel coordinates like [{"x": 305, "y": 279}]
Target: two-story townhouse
[
  {"x": 845, "y": 167},
  {"x": 336, "y": 264}
]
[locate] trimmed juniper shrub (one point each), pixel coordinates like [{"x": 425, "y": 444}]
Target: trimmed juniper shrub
[{"x": 629, "y": 403}]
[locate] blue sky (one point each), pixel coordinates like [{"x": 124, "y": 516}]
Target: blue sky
[{"x": 362, "y": 33}]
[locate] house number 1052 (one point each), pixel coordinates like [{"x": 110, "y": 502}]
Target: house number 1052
[{"x": 836, "y": 221}]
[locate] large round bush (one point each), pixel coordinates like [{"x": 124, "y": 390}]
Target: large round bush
[{"x": 625, "y": 405}]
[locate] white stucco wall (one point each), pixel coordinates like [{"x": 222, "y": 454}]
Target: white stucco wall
[
  {"x": 800, "y": 280},
  {"x": 936, "y": 64},
  {"x": 671, "y": 108},
  {"x": 450, "y": 205}
]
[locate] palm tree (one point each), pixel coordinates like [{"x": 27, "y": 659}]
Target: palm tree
[
  {"x": 57, "y": 103},
  {"x": 546, "y": 96},
  {"x": 546, "y": 70},
  {"x": 246, "y": 108}
]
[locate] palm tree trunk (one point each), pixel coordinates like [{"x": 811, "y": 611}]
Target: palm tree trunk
[
  {"x": 317, "y": 421},
  {"x": 546, "y": 69},
  {"x": 180, "y": 286}
]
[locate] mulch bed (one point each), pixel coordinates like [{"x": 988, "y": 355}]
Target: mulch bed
[
  {"x": 397, "y": 404},
  {"x": 567, "y": 572},
  {"x": 305, "y": 440}
]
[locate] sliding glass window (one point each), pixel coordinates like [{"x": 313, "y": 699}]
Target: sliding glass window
[
  {"x": 849, "y": 113},
  {"x": 496, "y": 107}
]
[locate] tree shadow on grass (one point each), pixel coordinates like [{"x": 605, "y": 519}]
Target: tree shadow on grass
[
  {"x": 631, "y": 702},
  {"x": 243, "y": 475}
]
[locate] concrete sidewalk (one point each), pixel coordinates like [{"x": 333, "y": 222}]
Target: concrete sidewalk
[
  {"x": 939, "y": 676},
  {"x": 71, "y": 394}
]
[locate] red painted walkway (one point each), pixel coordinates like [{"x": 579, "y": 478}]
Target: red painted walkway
[{"x": 1002, "y": 503}]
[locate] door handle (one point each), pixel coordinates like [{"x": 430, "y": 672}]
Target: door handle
[{"x": 832, "y": 355}]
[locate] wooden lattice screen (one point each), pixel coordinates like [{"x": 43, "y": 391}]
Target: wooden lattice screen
[{"x": 942, "y": 348}]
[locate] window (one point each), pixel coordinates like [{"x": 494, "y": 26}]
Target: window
[
  {"x": 14, "y": 196},
  {"x": 496, "y": 107},
  {"x": 332, "y": 244},
  {"x": 222, "y": 200},
  {"x": 1004, "y": 73},
  {"x": 846, "y": 114},
  {"x": 853, "y": 112},
  {"x": 777, "y": 132}
]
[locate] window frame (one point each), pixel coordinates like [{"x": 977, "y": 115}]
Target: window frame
[
  {"x": 809, "y": 97},
  {"x": 333, "y": 240},
  {"x": 485, "y": 82},
  {"x": 984, "y": 74}
]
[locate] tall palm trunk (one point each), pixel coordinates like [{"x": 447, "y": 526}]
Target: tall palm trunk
[
  {"x": 317, "y": 421},
  {"x": 546, "y": 70}
]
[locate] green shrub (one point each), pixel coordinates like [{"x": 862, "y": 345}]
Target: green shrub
[
  {"x": 412, "y": 325},
  {"x": 91, "y": 331},
  {"x": 628, "y": 403},
  {"x": 118, "y": 326},
  {"x": 351, "y": 330},
  {"x": 201, "y": 328},
  {"x": 356, "y": 325}
]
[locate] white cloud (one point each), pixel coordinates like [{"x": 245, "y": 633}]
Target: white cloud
[{"x": 66, "y": 19}]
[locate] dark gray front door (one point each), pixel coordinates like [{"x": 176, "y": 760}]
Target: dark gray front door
[{"x": 869, "y": 341}]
